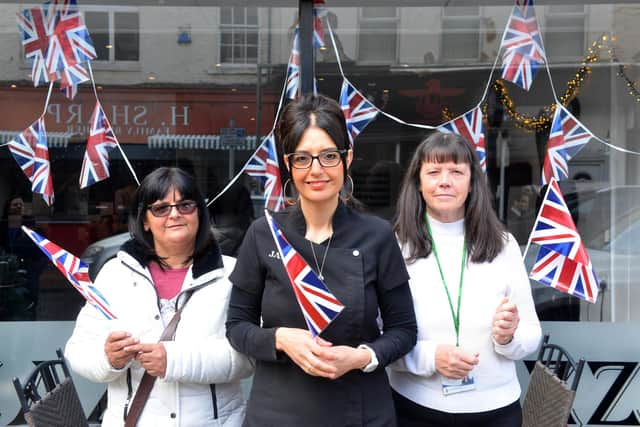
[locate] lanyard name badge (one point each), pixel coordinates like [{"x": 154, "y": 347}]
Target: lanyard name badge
[{"x": 451, "y": 385}]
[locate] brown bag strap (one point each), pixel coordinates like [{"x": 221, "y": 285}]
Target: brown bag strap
[{"x": 147, "y": 381}]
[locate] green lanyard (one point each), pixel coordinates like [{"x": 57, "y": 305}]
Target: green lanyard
[{"x": 455, "y": 314}]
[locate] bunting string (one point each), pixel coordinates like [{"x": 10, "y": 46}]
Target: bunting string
[
  {"x": 264, "y": 141},
  {"x": 392, "y": 117},
  {"x": 124, "y": 156}
]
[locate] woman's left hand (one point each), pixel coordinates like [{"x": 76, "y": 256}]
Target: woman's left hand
[
  {"x": 153, "y": 358},
  {"x": 505, "y": 322},
  {"x": 345, "y": 358}
]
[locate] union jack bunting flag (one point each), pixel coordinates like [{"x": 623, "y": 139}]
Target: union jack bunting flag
[
  {"x": 319, "y": 306},
  {"x": 554, "y": 228},
  {"x": 553, "y": 269},
  {"x": 519, "y": 68},
  {"x": 293, "y": 69},
  {"x": 70, "y": 78},
  {"x": 264, "y": 166},
  {"x": 69, "y": 43},
  {"x": 31, "y": 151},
  {"x": 522, "y": 43},
  {"x": 470, "y": 126},
  {"x": 358, "y": 111},
  {"x": 318, "y": 29},
  {"x": 74, "y": 269},
  {"x": 35, "y": 25},
  {"x": 566, "y": 139},
  {"x": 95, "y": 165}
]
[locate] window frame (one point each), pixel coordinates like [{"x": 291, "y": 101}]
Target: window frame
[
  {"x": 444, "y": 18},
  {"x": 244, "y": 27},
  {"x": 396, "y": 21}
]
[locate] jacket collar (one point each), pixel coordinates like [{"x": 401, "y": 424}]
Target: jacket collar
[
  {"x": 206, "y": 267},
  {"x": 293, "y": 218}
]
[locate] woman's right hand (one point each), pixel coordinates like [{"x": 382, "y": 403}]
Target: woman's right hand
[
  {"x": 307, "y": 352},
  {"x": 453, "y": 362},
  {"x": 120, "y": 347}
]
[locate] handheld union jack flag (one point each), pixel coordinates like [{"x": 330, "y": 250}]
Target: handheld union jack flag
[
  {"x": 358, "y": 111},
  {"x": 566, "y": 139},
  {"x": 74, "y": 269},
  {"x": 522, "y": 42},
  {"x": 293, "y": 69},
  {"x": 95, "y": 165},
  {"x": 319, "y": 306},
  {"x": 31, "y": 151},
  {"x": 69, "y": 43},
  {"x": 35, "y": 25},
  {"x": 264, "y": 166},
  {"x": 470, "y": 126},
  {"x": 554, "y": 228},
  {"x": 557, "y": 271}
]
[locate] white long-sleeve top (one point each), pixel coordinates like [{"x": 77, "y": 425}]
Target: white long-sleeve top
[{"x": 485, "y": 285}]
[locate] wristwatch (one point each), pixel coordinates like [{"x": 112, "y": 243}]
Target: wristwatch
[{"x": 373, "y": 364}]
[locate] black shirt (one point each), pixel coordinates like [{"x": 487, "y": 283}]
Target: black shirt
[{"x": 365, "y": 270}]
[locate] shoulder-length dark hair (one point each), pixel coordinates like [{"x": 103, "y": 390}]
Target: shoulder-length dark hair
[
  {"x": 154, "y": 187},
  {"x": 483, "y": 232},
  {"x": 313, "y": 110}
]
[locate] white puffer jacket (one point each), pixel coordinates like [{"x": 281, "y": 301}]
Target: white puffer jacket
[{"x": 202, "y": 382}]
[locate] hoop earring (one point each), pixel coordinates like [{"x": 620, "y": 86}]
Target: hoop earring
[
  {"x": 289, "y": 200},
  {"x": 349, "y": 195}
]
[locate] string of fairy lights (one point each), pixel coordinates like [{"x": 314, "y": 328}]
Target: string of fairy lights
[{"x": 542, "y": 121}]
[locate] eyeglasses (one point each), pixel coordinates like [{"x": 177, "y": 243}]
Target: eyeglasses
[
  {"x": 327, "y": 159},
  {"x": 185, "y": 207}
]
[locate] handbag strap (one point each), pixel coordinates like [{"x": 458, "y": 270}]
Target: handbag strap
[{"x": 147, "y": 381}]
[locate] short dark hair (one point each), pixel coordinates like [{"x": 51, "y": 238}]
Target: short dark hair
[
  {"x": 485, "y": 235},
  {"x": 154, "y": 187}
]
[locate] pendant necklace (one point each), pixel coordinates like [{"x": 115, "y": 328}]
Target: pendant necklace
[{"x": 320, "y": 267}]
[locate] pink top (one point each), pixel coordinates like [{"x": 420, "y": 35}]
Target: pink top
[{"x": 168, "y": 282}]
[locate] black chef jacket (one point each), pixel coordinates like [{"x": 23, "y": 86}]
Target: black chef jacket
[{"x": 365, "y": 270}]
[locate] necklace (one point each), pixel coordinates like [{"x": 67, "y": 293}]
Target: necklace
[{"x": 320, "y": 267}]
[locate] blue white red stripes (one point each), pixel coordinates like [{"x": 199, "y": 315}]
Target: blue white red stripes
[
  {"x": 470, "y": 125},
  {"x": 75, "y": 270},
  {"x": 319, "y": 306}
]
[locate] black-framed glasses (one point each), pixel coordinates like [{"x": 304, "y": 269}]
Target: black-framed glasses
[
  {"x": 186, "y": 207},
  {"x": 327, "y": 159}
]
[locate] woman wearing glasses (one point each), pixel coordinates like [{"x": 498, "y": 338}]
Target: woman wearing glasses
[
  {"x": 171, "y": 263},
  {"x": 337, "y": 378}
]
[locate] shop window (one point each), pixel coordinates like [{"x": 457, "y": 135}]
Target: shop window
[
  {"x": 564, "y": 32},
  {"x": 239, "y": 35},
  {"x": 378, "y": 35},
  {"x": 115, "y": 35},
  {"x": 460, "y": 34}
]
